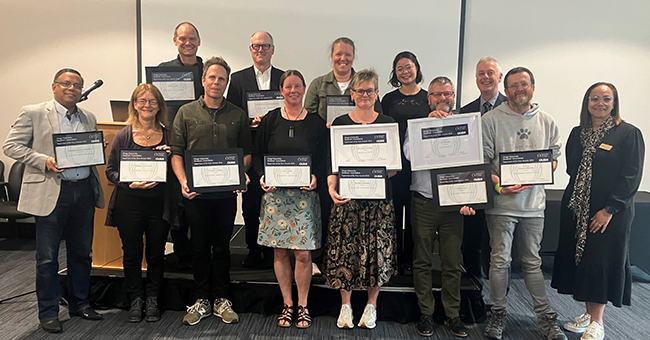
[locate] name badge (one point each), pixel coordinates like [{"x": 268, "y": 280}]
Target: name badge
[{"x": 606, "y": 147}]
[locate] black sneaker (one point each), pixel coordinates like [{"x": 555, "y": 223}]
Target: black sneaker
[
  {"x": 425, "y": 326},
  {"x": 135, "y": 312},
  {"x": 456, "y": 327},
  {"x": 152, "y": 314}
]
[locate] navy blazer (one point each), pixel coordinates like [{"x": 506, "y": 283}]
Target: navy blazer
[
  {"x": 475, "y": 106},
  {"x": 244, "y": 81}
]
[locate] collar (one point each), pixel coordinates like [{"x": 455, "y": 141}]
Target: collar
[
  {"x": 492, "y": 101},
  {"x": 258, "y": 72},
  {"x": 203, "y": 104},
  {"x": 199, "y": 61},
  {"x": 330, "y": 78},
  {"x": 62, "y": 111}
]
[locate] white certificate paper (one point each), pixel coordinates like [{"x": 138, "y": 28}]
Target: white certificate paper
[
  {"x": 79, "y": 149},
  {"x": 526, "y": 167},
  {"x": 174, "y": 85},
  {"x": 261, "y": 102},
  {"x": 371, "y": 145},
  {"x": 462, "y": 188},
  {"x": 287, "y": 171},
  {"x": 362, "y": 183},
  {"x": 215, "y": 170},
  {"x": 143, "y": 166},
  {"x": 455, "y": 140},
  {"x": 338, "y": 106}
]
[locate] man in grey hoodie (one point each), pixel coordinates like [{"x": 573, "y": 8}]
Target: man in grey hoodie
[{"x": 518, "y": 213}]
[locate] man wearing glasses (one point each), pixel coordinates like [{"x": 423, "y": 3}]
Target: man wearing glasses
[
  {"x": 62, "y": 201},
  {"x": 518, "y": 213},
  {"x": 259, "y": 77},
  {"x": 428, "y": 225}
]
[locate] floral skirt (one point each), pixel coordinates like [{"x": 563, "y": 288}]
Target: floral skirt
[
  {"x": 361, "y": 245},
  {"x": 290, "y": 219}
]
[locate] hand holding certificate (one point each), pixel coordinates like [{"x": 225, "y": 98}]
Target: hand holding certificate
[
  {"x": 526, "y": 167},
  {"x": 362, "y": 183},
  {"x": 77, "y": 149},
  {"x": 210, "y": 171},
  {"x": 287, "y": 171},
  {"x": 143, "y": 166},
  {"x": 463, "y": 186},
  {"x": 372, "y": 145}
]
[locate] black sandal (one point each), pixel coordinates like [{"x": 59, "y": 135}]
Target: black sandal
[
  {"x": 286, "y": 317},
  {"x": 303, "y": 317}
]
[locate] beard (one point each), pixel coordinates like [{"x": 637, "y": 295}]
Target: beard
[
  {"x": 444, "y": 105},
  {"x": 522, "y": 100}
]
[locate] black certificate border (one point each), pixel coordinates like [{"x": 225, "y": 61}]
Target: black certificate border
[
  {"x": 206, "y": 190},
  {"x": 261, "y": 91},
  {"x": 141, "y": 150},
  {"x": 54, "y": 135},
  {"x": 465, "y": 168},
  {"x": 528, "y": 151},
  {"x": 149, "y": 70},
  {"x": 298, "y": 187},
  {"x": 338, "y": 177}
]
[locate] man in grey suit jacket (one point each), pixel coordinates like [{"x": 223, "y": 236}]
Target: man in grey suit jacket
[{"x": 62, "y": 201}]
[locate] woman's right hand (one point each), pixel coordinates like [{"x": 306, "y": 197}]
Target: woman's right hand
[
  {"x": 142, "y": 185},
  {"x": 264, "y": 187},
  {"x": 338, "y": 199}
]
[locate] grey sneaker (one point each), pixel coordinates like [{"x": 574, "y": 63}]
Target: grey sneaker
[
  {"x": 223, "y": 309},
  {"x": 579, "y": 324},
  {"x": 495, "y": 327},
  {"x": 199, "y": 310},
  {"x": 547, "y": 327}
]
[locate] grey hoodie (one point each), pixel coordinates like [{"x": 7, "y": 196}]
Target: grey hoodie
[{"x": 505, "y": 130}]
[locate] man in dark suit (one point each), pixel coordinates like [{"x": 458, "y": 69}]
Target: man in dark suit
[
  {"x": 488, "y": 78},
  {"x": 259, "y": 77},
  {"x": 62, "y": 201}
]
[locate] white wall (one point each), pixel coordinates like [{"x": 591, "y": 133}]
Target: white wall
[
  {"x": 568, "y": 45},
  {"x": 95, "y": 37}
]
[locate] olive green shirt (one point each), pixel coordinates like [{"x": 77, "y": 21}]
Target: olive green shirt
[
  {"x": 323, "y": 86},
  {"x": 197, "y": 128}
]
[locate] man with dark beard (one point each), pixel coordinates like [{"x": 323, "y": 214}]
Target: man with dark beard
[{"x": 518, "y": 213}]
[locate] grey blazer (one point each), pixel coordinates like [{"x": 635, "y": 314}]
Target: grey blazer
[{"x": 30, "y": 141}]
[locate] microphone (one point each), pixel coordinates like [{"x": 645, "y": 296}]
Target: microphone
[{"x": 97, "y": 84}]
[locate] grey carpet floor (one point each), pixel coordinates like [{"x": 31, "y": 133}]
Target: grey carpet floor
[{"x": 18, "y": 317}]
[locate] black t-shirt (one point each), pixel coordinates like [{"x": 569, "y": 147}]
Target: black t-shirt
[{"x": 402, "y": 108}]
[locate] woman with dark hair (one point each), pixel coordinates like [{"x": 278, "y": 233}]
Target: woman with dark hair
[
  {"x": 407, "y": 101},
  {"x": 138, "y": 208},
  {"x": 605, "y": 161},
  {"x": 291, "y": 218}
]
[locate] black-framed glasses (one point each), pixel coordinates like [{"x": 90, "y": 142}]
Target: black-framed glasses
[
  {"x": 440, "y": 94},
  {"x": 67, "y": 84},
  {"x": 604, "y": 99},
  {"x": 264, "y": 47},
  {"x": 366, "y": 92}
]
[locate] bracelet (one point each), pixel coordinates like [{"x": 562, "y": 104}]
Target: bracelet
[{"x": 498, "y": 188}]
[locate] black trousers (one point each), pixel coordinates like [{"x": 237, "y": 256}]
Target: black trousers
[
  {"x": 211, "y": 224},
  {"x": 402, "y": 200},
  {"x": 476, "y": 245},
  {"x": 135, "y": 216},
  {"x": 251, "y": 202}
]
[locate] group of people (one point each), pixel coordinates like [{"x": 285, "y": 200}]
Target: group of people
[{"x": 363, "y": 240}]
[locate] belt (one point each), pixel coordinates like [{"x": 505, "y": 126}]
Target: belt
[
  {"x": 76, "y": 181},
  {"x": 420, "y": 196}
]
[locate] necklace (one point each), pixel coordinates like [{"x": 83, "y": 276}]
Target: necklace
[{"x": 291, "y": 131}]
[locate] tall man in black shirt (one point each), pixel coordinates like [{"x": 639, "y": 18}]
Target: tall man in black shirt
[{"x": 259, "y": 77}]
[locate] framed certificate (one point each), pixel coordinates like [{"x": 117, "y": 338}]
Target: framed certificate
[
  {"x": 178, "y": 84},
  {"x": 143, "y": 165},
  {"x": 441, "y": 143},
  {"x": 77, "y": 149},
  {"x": 210, "y": 171},
  {"x": 362, "y": 183},
  {"x": 526, "y": 167},
  {"x": 370, "y": 145},
  {"x": 338, "y": 106},
  {"x": 261, "y": 102},
  {"x": 464, "y": 185},
  {"x": 287, "y": 171}
]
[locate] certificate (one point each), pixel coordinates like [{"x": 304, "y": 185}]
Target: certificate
[
  {"x": 441, "y": 143},
  {"x": 465, "y": 185},
  {"x": 370, "y": 145},
  {"x": 362, "y": 183},
  {"x": 215, "y": 170},
  {"x": 77, "y": 149},
  {"x": 261, "y": 102},
  {"x": 176, "y": 83},
  {"x": 526, "y": 167},
  {"x": 338, "y": 106},
  {"x": 287, "y": 171},
  {"x": 143, "y": 165}
]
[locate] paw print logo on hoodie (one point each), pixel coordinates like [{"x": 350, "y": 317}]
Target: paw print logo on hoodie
[{"x": 523, "y": 134}]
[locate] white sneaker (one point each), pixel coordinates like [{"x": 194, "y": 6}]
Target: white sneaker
[
  {"x": 369, "y": 318},
  {"x": 579, "y": 324},
  {"x": 345, "y": 317},
  {"x": 594, "y": 332}
]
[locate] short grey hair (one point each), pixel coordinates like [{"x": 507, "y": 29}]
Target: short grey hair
[
  {"x": 484, "y": 59},
  {"x": 363, "y": 76},
  {"x": 265, "y": 32},
  {"x": 442, "y": 80}
]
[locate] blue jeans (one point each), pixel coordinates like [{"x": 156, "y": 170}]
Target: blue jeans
[{"x": 71, "y": 218}]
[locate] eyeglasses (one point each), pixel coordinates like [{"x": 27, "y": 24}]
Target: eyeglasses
[
  {"x": 440, "y": 94},
  {"x": 523, "y": 85},
  {"x": 604, "y": 99},
  {"x": 143, "y": 101},
  {"x": 405, "y": 68},
  {"x": 264, "y": 47},
  {"x": 67, "y": 84},
  {"x": 366, "y": 92}
]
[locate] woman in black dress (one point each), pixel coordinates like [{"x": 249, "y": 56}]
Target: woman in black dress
[
  {"x": 407, "y": 101},
  {"x": 605, "y": 161}
]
